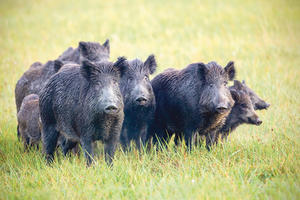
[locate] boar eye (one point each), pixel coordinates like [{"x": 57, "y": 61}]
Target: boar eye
[
  {"x": 210, "y": 85},
  {"x": 130, "y": 79},
  {"x": 225, "y": 83},
  {"x": 244, "y": 105},
  {"x": 146, "y": 78}
]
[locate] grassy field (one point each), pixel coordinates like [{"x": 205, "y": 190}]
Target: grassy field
[{"x": 262, "y": 37}]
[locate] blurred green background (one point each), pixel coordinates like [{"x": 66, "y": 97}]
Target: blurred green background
[{"x": 261, "y": 36}]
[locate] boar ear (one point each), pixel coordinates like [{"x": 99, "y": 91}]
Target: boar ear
[
  {"x": 82, "y": 45},
  {"x": 57, "y": 65},
  {"x": 238, "y": 85},
  {"x": 106, "y": 45},
  {"x": 83, "y": 48},
  {"x": 202, "y": 69},
  {"x": 150, "y": 63},
  {"x": 230, "y": 70},
  {"x": 235, "y": 95},
  {"x": 121, "y": 65},
  {"x": 88, "y": 69}
]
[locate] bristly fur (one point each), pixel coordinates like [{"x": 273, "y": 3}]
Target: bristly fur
[
  {"x": 257, "y": 102},
  {"x": 28, "y": 121},
  {"x": 186, "y": 101},
  {"x": 35, "y": 78},
  {"x": 242, "y": 111},
  {"x": 92, "y": 51},
  {"x": 135, "y": 84},
  {"x": 74, "y": 104},
  {"x": 122, "y": 65},
  {"x": 230, "y": 69},
  {"x": 92, "y": 70},
  {"x": 151, "y": 64}
]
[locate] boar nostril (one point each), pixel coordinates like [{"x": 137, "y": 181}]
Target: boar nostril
[
  {"x": 141, "y": 99},
  {"x": 258, "y": 122},
  {"x": 111, "y": 109},
  {"x": 221, "y": 109}
]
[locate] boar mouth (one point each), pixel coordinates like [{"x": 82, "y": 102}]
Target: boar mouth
[
  {"x": 111, "y": 110},
  {"x": 256, "y": 122},
  {"x": 141, "y": 101},
  {"x": 261, "y": 107}
]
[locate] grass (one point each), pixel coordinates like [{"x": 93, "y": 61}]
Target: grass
[{"x": 262, "y": 37}]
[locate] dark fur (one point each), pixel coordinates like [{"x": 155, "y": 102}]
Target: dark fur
[
  {"x": 257, "y": 102},
  {"x": 191, "y": 100},
  {"x": 242, "y": 112},
  {"x": 92, "y": 51},
  {"x": 37, "y": 75},
  {"x": 139, "y": 100},
  {"x": 28, "y": 117},
  {"x": 84, "y": 104},
  {"x": 35, "y": 78}
]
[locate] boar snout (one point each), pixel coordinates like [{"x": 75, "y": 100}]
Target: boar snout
[
  {"x": 111, "y": 109},
  {"x": 258, "y": 122},
  {"x": 141, "y": 100},
  {"x": 255, "y": 120},
  {"x": 221, "y": 108}
]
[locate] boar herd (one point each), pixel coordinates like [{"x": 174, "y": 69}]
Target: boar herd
[{"x": 82, "y": 97}]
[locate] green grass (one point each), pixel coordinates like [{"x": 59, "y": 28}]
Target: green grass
[{"x": 262, "y": 37}]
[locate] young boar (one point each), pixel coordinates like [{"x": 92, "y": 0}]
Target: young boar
[
  {"x": 242, "y": 112},
  {"x": 257, "y": 102},
  {"x": 28, "y": 116}
]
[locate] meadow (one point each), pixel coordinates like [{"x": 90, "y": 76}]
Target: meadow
[{"x": 261, "y": 36}]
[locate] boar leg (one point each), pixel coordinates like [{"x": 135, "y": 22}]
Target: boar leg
[
  {"x": 87, "y": 147},
  {"x": 109, "y": 150},
  {"x": 112, "y": 142},
  {"x": 18, "y": 132},
  {"x": 49, "y": 138},
  {"x": 26, "y": 140},
  {"x": 211, "y": 139},
  {"x": 139, "y": 138},
  {"x": 67, "y": 146},
  {"x": 124, "y": 140},
  {"x": 188, "y": 137},
  {"x": 224, "y": 136}
]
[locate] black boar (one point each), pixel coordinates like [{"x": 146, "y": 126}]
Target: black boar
[
  {"x": 84, "y": 104},
  {"x": 139, "y": 100},
  {"x": 195, "y": 99},
  {"x": 28, "y": 121},
  {"x": 37, "y": 75},
  {"x": 35, "y": 78},
  {"x": 257, "y": 102}
]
